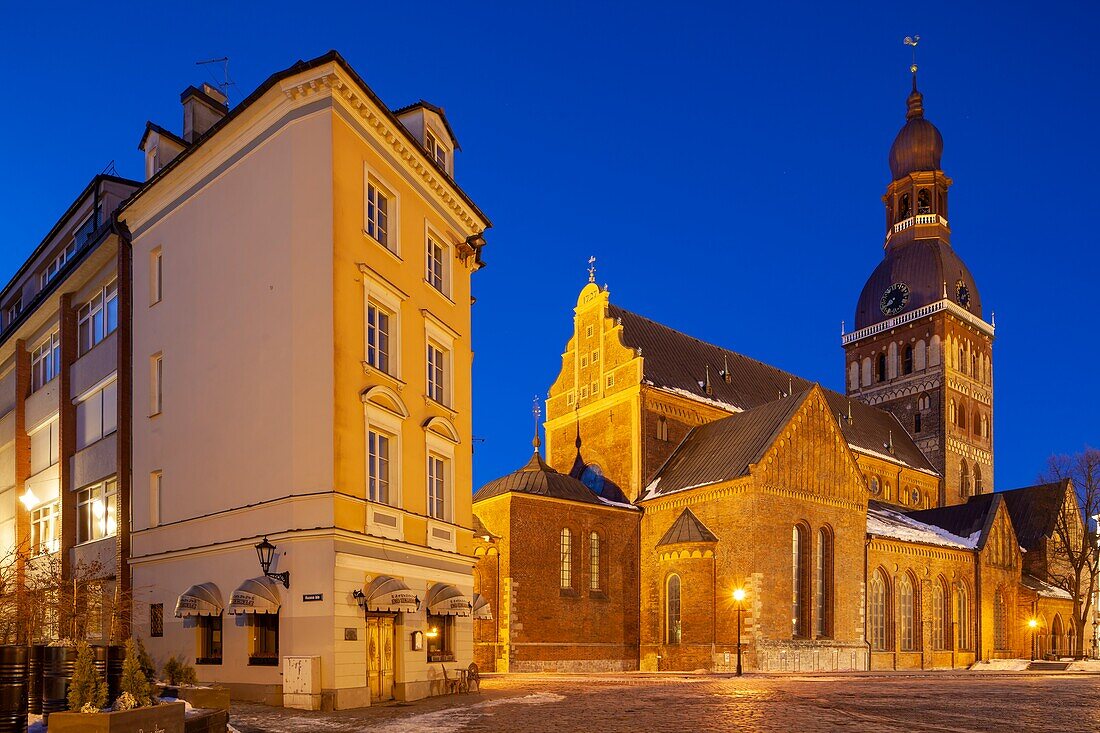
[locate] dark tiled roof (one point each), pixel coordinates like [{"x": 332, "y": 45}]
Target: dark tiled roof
[
  {"x": 153, "y": 127},
  {"x": 687, "y": 528},
  {"x": 438, "y": 110},
  {"x": 724, "y": 449},
  {"x": 538, "y": 479},
  {"x": 675, "y": 361},
  {"x": 961, "y": 519},
  {"x": 1034, "y": 510}
]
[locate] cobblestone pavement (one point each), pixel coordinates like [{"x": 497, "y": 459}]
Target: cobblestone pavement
[{"x": 656, "y": 704}]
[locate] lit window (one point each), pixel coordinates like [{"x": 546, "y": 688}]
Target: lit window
[
  {"x": 44, "y": 447},
  {"x": 378, "y": 466},
  {"x": 907, "y": 616},
  {"x": 97, "y": 318},
  {"x": 436, "y": 262},
  {"x": 588, "y": 332},
  {"x": 46, "y": 361},
  {"x": 798, "y": 581},
  {"x": 1000, "y": 621},
  {"x": 672, "y": 610},
  {"x": 437, "y": 487},
  {"x": 378, "y": 337},
  {"x": 823, "y": 591},
  {"x": 594, "y": 562},
  {"x": 941, "y": 614},
  {"x": 436, "y": 149},
  {"x": 878, "y": 606},
  {"x": 378, "y": 214},
  {"x": 610, "y": 380},
  {"x": 45, "y": 535},
  {"x": 584, "y": 392},
  {"x": 263, "y": 639},
  {"x": 436, "y": 371},
  {"x": 97, "y": 511},
  {"x": 595, "y": 356},
  {"x": 566, "y": 559},
  {"x": 962, "y": 615},
  {"x": 440, "y": 635}
]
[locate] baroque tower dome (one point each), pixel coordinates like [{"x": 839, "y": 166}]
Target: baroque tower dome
[{"x": 919, "y": 145}]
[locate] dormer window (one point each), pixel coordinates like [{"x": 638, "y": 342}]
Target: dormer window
[
  {"x": 57, "y": 263},
  {"x": 436, "y": 149},
  {"x": 12, "y": 311}
]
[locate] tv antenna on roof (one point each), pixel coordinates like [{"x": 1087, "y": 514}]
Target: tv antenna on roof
[{"x": 227, "y": 82}]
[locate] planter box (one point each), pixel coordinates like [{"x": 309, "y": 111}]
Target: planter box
[
  {"x": 206, "y": 721},
  {"x": 166, "y": 718},
  {"x": 213, "y": 698}
]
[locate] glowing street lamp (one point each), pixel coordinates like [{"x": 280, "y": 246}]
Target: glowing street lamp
[
  {"x": 265, "y": 552},
  {"x": 739, "y": 596},
  {"x": 1032, "y": 624}
]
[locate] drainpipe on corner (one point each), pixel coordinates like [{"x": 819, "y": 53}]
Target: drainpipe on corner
[{"x": 866, "y": 636}]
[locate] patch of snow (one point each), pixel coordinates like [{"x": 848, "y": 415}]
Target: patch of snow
[
  {"x": 621, "y": 504},
  {"x": 1001, "y": 665},
  {"x": 1044, "y": 589},
  {"x": 700, "y": 398},
  {"x": 1088, "y": 665},
  {"x": 888, "y": 457},
  {"x": 895, "y": 525},
  {"x": 453, "y": 720},
  {"x": 651, "y": 490}
]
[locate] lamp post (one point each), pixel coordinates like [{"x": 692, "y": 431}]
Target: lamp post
[
  {"x": 739, "y": 596},
  {"x": 1032, "y": 624},
  {"x": 265, "y": 551}
]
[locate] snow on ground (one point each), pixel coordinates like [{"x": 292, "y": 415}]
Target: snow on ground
[
  {"x": 455, "y": 719},
  {"x": 1001, "y": 665},
  {"x": 1089, "y": 665}
]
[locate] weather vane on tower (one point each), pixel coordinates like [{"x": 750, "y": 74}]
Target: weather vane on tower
[
  {"x": 913, "y": 41},
  {"x": 591, "y": 269},
  {"x": 536, "y": 411}
]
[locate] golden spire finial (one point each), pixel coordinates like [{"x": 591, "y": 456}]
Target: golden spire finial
[
  {"x": 536, "y": 412},
  {"x": 913, "y": 41}
]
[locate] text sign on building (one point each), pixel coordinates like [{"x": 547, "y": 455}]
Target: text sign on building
[{"x": 307, "y": 597}]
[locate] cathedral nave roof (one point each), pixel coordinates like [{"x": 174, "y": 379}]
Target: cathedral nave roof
[{"x": 886, "y": 521}]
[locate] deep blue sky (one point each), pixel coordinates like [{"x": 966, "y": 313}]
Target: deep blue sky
[{"x": 724, "y": 163}]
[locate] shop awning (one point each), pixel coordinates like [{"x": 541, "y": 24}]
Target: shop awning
[
  {"x": 256, "y": 595},
  {"x": 446, "y": 600},
  {"x": 481, "y": 609},
  {"x": 204, "y": 599},
  {"x": 387, "y": 594}
]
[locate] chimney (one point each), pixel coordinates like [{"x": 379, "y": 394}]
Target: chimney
[{"x": 202, "y": 108}]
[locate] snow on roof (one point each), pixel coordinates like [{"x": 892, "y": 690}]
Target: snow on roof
[
  {"x": 697, "y": 398},
  {"x": 883, "y": 522},
  {"x": 1044, "y": 589},
  {"x": 891, "y": 458}
]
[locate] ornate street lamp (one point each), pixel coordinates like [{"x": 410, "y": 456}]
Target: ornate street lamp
[
  {"x": 739, "y": 596},
  {"x": 265, "y": 551}
]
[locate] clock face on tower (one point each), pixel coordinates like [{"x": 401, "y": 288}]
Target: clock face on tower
[
  {"x": 894, "y": 299},
  {"x": 962, "y": 293}
]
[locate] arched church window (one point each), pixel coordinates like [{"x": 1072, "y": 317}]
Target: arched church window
[
  {"x": 962, "y": 416},
  {"x": 904, "y": 209},
  {"x": 964, "y": 479},
  {"x": 800, "y": 580},
  {"x": 853, "y": 376},
  {"x": 951, "y": 410},
  {"x": 941, "y": 614},
  {"x": 878, "y": 606},
  {"x": 874, "y": 486},
  {"x": 924, "y": 202},
  {"x": 662, "y": 428},
  {"x": 907, "y": 614},
  {"x": 907, "y": 360},
  {"x": 566, "y": 559},
  {"x": 880, "y": 374},
  {"x": 977, "y": 479},
  {"x": 672, "y": 610},
  {"x": 976, "y": 425},
  {"x": 962, "y": 615},
  {"x": 1000, "y": 621},
  {"x": 962, "y": 359},
  {"x": 916, "y": 423},
  {"x": 823, "y": 596},
  {"x": 866, "y": 371}
]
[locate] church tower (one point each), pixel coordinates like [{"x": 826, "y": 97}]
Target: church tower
[{"x": 921, "y": 347}]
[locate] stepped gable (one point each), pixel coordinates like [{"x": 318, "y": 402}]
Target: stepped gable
[{"x": 676, "y": 362}]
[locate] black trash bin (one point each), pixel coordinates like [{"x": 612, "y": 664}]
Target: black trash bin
[
  {"x": 13, "y": 689},
  {"x": 58, "y": 664}
]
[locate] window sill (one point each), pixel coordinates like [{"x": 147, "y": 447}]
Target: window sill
[
  {"x": 441, "y": 657},
  {"x": 263, "y": 662},
  {"x": 202, "y": 661},
  {"x": 568, "y": 593},
  {"x": 155, "y": 414},
  {"x": 598, "y": 595},
  {"x": 374, "y": 239},
  {"x": 441, "y": 293},
  {"x": 432, "y": 401},
  {"x": 85, "y": 543},
  {"x": 393, "y": 379}
]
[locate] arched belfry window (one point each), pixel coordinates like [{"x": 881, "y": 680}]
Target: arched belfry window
[
  {"x": 907, "y": 360},
  {"x": 924, "y": 202},
  {"x": 964, "y": 479},
  {"x": 977, "y": 479},
  {"x": 880, "y": 372},
  {"x": 672, "y": 610},
  {"x": 904, "y": 208}
]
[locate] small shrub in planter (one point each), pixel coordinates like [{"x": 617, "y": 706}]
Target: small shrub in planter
[
  {"x": 88, "y": 690},
  {"x": 134, "y": 680},
  {"x": 179, "y": 672}
]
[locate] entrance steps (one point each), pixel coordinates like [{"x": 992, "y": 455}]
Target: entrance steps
[{"x": 1048, "y": 666}]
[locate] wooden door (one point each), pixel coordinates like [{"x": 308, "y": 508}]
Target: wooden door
[{"x": 380, "y": 651}]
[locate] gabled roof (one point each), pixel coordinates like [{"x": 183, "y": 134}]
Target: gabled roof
[
  {"x": 153, "y": 127},
  {"x": 1034, "y": 510},
  {"x": 886, "y": 521},
  {"x": 431, "y": 108},
  {"x": 537, "y": 478},
  {"x": 724, "y": 449},
  {"x": 687, "y": 528},
  {"x": 676, "y": 362},
  {"x": 965, "y": 520},
  {"x": 1042, "y": 589}
]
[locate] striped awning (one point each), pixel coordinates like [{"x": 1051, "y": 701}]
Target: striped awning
[
  {"x": 388, "y": 594},
  {"x": 256, "y": 595},
  {"x": 447, "y": 600},
  {"x": 481, "y": 609},
  {"x": 204, "y": 599}
]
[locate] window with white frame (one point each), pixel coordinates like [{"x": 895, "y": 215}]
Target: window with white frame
[
  {"x": 97, "y": 318},
  {"x": 437, "y": 373},
  {"x": 156, "y": 387},
  {"x": 378, "y": 337},
  {"x": 436, "y": 264},
  {"x": 45, "y": 526},
  {"x": 44, "y": 446},
  {"x": 12, "y": 311},
  {"x": 46, "y": 361},
  {"x": 378, "y": 466},
  {"x": 378, "y": 211},
  {"x": 55, "y": 265},
  {"x": 97, "y": 415},
  {"x": 437, "y": 487},
  {"x": 436, "y": 149},
  {"x": 156, "y": 275},
  {"x": 85, "y": 231},
  {"x": 97, "y": 511}
]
